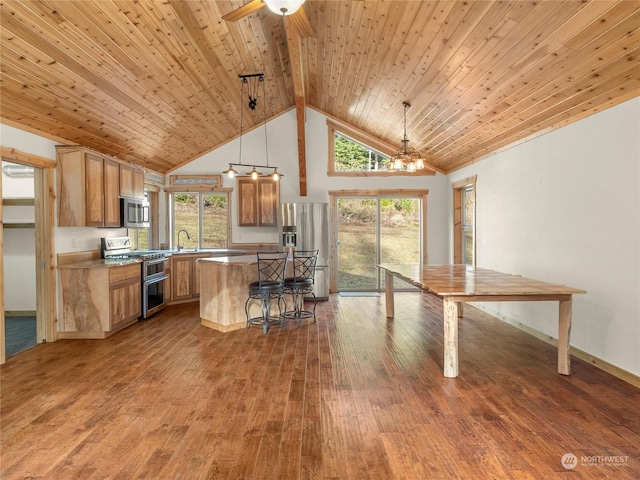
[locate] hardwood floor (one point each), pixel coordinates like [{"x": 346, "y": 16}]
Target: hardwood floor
[{"x": 349, "y": 397}]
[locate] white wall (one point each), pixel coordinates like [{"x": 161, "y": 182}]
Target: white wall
[
  {"x": 565, "y": 208},
  {"x": 283, "y": 148},
  {"x": 19, "y": 269}
]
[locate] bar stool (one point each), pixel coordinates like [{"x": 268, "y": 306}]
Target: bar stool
[
  {"x": 270, "y": 284},
  {"x": 304, "y": 272}
]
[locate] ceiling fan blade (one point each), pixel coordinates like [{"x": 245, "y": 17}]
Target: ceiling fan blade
[
  {"x": 302, "y": 24},
  {"x": 246, "y": 9}
]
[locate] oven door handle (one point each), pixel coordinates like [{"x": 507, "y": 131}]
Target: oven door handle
[
  {"x": 156, "y": 261},
  {"x": 151, "y": 280}
]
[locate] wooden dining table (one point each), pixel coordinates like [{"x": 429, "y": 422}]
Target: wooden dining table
[{"x": 457, "y": 284}]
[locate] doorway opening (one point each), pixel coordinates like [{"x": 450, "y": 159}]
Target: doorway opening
[
  {"x": 43, "y": 200},
  {"x": 384, "y": 227},
  {"x": 464, "y": 221},
  {"x": 19, "y": 257}
]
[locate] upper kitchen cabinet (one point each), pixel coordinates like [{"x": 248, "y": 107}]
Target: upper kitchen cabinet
[
  {"x": 88, "y": 186},
  {"x": 131, "y": 182},
  {"x": 110, "y": 183},
  {"x": 258, "y": 202}
]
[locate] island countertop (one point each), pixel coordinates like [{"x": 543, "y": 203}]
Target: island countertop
[{"x": 232, "y": 260}]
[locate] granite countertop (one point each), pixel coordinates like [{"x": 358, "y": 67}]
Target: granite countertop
[
  {"x": 102, "y": 263},
  {"x": 228, "y": 256}
]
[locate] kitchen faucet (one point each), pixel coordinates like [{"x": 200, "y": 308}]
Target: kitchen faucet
[{"x": 188, "y": 237}]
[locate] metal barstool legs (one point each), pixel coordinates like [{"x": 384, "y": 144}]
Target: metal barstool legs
[
  {"x": 266, "y": 320},
  {"x": 298, "y": 312},
  {"x": 300, "y": 284}
]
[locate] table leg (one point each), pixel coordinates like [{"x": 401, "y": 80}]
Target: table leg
[
  {"x": 388, "y": 281},
  {"x": 460, "y": 309},
  {"x": 450, "y": 338},
  {"x": 564, "y": 332}
]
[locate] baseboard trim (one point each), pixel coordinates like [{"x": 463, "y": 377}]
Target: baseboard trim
[
  {"x": 222, "y": 328},
  {"x": 19, "y": 313},
  {"x": 576, "y": 352}
]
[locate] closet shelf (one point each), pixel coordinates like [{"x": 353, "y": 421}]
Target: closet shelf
[{"x": 18, "y": 225}]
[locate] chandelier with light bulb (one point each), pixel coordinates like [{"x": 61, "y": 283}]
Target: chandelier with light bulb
[
  {"x": 251, "y": 81},
  {"x": 407, "y": 158}
]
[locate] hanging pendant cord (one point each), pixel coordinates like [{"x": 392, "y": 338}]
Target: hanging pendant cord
[
  {"x": 404, "y": 145},
  {"x": 244, "y": 80},
  {"x": 264, "y": 114}
]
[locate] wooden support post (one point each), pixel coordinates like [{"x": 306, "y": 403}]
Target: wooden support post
[
  {"x": 564, "y": 332},
  {"x": 460, "y": 309},
  {"x": 388, "y": 281},
  {"x": 450, "y": 337}
]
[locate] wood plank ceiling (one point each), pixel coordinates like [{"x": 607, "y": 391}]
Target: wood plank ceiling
[{"x": 156, "y": 82}]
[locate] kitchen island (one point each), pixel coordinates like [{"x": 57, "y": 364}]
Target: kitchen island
[{"x": 224, "y": 290}]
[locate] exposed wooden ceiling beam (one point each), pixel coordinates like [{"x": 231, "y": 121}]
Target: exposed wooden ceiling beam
[
  {"x": 297, "y": 72},
  {"x": 302, "y": 24}
]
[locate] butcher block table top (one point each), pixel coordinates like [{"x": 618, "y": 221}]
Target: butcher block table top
[
  {"x": 457, "y": 284},
  {"x": 466, "y": 281}
]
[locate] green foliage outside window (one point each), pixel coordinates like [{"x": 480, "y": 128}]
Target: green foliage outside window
[
  {"x": 352, "y": 156},
  {"x": 392, "y": 210}
]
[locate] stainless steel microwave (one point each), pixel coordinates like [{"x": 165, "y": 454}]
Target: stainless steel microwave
[{"x": 134, "y": 213}]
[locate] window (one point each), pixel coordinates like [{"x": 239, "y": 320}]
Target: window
[
  {"x": 379, "y": 226},
  {"x": 356, "y": 153},
  {"x": 353, "y": 156},
  {"x": 141, "y": 237},
  {"x": 203, "y": 215},
  {"x": 373, "y": 230}
]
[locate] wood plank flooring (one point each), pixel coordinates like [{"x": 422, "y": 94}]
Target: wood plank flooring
[{"x": 353, "y": 396}]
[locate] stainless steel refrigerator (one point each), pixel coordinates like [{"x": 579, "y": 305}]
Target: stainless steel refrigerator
[{"x": 311, "y": 222}]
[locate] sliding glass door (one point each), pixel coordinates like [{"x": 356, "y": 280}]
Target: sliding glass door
[{"x": 373, "y": 230}]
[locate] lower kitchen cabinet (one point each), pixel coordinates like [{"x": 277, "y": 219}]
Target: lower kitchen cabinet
[
  {"x": 125, "y": 302},
  {"x": 99, "y": 300},
  {"x": 185, "y": 276}
]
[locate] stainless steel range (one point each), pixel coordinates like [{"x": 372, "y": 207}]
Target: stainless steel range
[{"x": 153, "y": 271}]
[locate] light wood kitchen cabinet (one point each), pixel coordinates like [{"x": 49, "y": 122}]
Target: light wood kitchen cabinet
[
  {"x": 98, "y": 300},
  {"x": 258, "y": 202},
  {"x": 182, "y": 277},
  {"x": 93, "y": 188},
  {"x": 131, "y": 182},
  {"x": 125, "y": 296},
  {"x": 185, "y": 276},
  {"x": 111, "y": 193},
  {"x": 88, "y": 188}
]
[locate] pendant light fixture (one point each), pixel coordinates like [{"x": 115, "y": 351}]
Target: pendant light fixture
[
  {"x": 284, "y": 7},
  {"x": 252, "y": 81},
  {"x": 406, "y": 159}
]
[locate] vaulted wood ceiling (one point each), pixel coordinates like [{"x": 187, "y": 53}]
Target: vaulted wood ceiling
[{"x": 156, "y": 82}]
